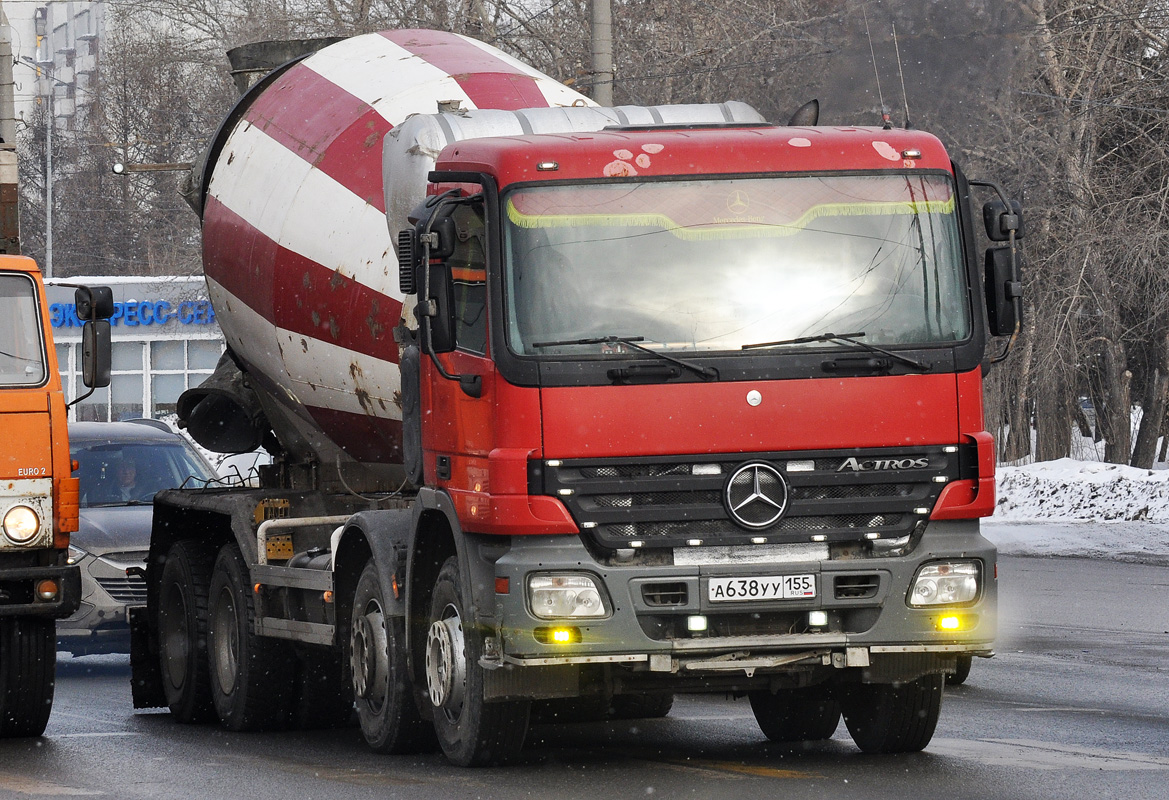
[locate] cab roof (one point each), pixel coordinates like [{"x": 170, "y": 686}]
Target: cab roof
[{"x": 699, "y": 150}]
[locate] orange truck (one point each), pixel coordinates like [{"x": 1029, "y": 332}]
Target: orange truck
[{"x": 38, "y": 495}]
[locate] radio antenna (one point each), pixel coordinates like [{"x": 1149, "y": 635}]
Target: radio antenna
[
  {"x": 901, "y": 74},
  {"x": 886, "y": 122}
]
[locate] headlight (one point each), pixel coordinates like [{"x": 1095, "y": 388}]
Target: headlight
[
  {"x": 554, "y": 596},
  {"x": 76, "y": 554},
  {"x": 21, "y": 524},
  {"x": 945, "y": 583}
]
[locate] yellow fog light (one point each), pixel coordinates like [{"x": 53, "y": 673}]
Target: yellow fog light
[
  {"x": 950, "y": 624},
  {"x": 47, "y": 590},
  {"x": 564, "y": 635},
  {"x": 21, "y": 524}
]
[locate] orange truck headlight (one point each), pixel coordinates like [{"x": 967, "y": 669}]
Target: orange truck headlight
[{"x": 21, "y": 524}]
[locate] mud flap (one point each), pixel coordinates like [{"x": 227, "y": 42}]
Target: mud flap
[{"x": 145, "y": 671}]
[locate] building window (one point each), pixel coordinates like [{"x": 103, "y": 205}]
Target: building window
[{"x": 173, "y": 366}]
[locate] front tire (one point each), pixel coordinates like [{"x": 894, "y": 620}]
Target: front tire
[
  {"x": 182, "y": 631},
  {"x": 28, "y": 666},
  {"x": 471, "y": 732},
  {"x": 893, "y": 718},
  {"x": 386, "y": 708},
  {"x": 810, "y": 714},
  {"x": 252, "y": 677},
  {"x": 959, "y": 675}
]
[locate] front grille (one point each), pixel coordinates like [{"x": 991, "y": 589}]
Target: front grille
[
  {"x": 679, "y": 501},
  {"x": 130, "y": 590}
]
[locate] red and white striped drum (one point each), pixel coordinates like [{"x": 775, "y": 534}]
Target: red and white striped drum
[{"x": 298, "y": 256}]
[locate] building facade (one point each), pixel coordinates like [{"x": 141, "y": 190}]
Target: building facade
[{"x": 165, "y": 340}]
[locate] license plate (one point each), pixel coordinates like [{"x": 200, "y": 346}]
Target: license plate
[{"x": 774, "y": 587}]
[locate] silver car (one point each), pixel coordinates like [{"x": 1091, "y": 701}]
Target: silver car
[{"x": 121, "y": 466}]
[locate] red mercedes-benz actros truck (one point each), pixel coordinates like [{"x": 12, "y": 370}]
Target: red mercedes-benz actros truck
[{"x": 576, "y": 402}]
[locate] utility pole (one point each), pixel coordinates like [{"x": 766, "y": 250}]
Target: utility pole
[
  {"x": 602, "y": 46},
  {"x": 9, "y": 174}
]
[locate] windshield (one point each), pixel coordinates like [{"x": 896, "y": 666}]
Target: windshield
[
  {"x": 22, "y": 355},
  {"x": 709, "y": 265},
  {"x": 122, "y": 473}
]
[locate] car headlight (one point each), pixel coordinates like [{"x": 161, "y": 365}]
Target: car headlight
[
  {"x": 554, "y": 596},
  {"x": 21, "y": 524},
  {"x": 75, "y": 554},
  {"x": 945, "y": 583}
]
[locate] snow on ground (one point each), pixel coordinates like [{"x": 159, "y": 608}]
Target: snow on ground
[{"x": 1082, "y": 508}]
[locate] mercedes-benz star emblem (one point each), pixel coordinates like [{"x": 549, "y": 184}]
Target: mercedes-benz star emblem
[
  {"x": 737, "y": 202},
  {"x": 756, "y": 495}
]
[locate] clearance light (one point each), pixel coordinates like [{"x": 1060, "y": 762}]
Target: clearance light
[
  {"x": 950, "y": 624},
  {"x": 696, "y": 624},
  {"x": 564, "y": 635},
  {"x": 21, "y": 524},
  {"x": 48, "y": 590}
]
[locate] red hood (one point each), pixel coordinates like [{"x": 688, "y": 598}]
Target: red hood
[{"x": 615, "y": 421}]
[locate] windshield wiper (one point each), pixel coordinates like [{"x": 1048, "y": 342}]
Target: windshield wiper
[
  {"x": 706, "y": 373},
  {"x": 851, "y": 338}
]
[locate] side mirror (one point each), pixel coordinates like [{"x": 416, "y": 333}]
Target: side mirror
[
  {"x": 94, "y": 302},
  {"x": 1004, "y": 291},
  {"x": 96, "y": 350},
  {"x": 1000, "y": 222},
  {"x": 438, "y": 336}
]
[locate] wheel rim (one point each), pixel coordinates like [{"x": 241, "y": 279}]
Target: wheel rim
[
  {"x": 175, "y": 640},
  {"x": 368, "y": 657},
  {"x": 225, "y": 641},
  {"x": 446, "y": 673}
]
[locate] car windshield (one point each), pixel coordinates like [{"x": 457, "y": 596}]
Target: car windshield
[
  {"x": 712, "y": 265},
  {"x": 22, "y": 352},
  {"x": 123, "y": 473}
]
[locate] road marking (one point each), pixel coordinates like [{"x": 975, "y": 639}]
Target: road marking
[
  {"x": 1032, "y": 754},
  {"x": 93, "y": 735},
  {"x": 22, "y": 785}
]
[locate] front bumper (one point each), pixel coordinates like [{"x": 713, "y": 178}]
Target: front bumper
[
  {"x": 101, "y": 622},
  {"x": 863, "y": 599},
  {"x": 18, "y": 591}
]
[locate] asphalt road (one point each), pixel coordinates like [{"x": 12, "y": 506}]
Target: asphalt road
[{"x": 1075, "y": 705}]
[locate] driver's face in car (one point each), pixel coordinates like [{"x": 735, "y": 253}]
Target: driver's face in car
[{"x": 127, "y": 473}]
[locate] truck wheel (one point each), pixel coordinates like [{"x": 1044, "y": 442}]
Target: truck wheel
[
  {"x": 893, "y": 718},
  {"x": 28, "y": 666},
  {"x": 472, "y": 732},
  {"x": 652, "y": 705},
  {"x": 959, "y": 675},
  {"x": 182, "y": 631},
  {"x": 252, "y": 677},
  {"x": 386, "y": 708},
  {"x": 809, "y": 714}
]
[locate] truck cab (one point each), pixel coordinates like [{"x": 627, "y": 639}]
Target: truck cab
[
  {"x": 38, "y": 495},
  {"x": 732, "y": 374}
]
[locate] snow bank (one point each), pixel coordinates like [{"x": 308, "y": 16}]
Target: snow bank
[{"x": 1082, "y": 508}]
